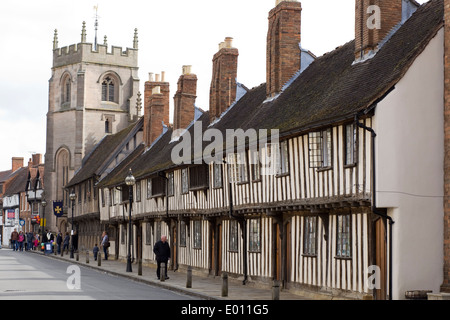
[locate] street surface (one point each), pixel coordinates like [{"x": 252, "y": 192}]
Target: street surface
[{"x": 29, "y": 276}]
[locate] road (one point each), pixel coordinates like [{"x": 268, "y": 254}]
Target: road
[{"x": 29, "y": 276}]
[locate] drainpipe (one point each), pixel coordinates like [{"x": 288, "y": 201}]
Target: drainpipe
[
  {"x": 243, "y": 224},
  {"x": 374, "y": 198}
]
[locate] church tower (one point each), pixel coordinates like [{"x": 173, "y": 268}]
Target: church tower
[{"x": 92, "y": 93}]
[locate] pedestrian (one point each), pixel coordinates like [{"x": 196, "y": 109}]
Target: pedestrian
[
  {"x": 105, "y": 244},
  {"x": 14, "y": 238},
  {"x": 95, "y": 251},
  {"x": 59, "y": 240},
  {"x": 36, "y": 242},
  {"x": 29, "y": 241},
  {"x": 66, "y": 242},
  {"x": 162, "y": 252},
  {"x": 75, "y": 241},
  {"x": 21, "y": 240}
]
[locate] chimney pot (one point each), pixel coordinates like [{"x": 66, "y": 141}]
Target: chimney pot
[
  {"x": 157, "y": 78},
  {"x": 187, "y": 69},
  {"x": 150, "y": 76},
  {"x": 163, "y": 76}
]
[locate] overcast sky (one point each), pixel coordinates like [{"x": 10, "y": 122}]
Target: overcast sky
[{"x": 171, "y": 34}]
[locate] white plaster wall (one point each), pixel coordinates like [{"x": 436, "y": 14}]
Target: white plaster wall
[{"x": 409, "y": 156}]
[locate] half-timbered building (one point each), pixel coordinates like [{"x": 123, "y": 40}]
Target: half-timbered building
[{"x": 327, "y": 202}]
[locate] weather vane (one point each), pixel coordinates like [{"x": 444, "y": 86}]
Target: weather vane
[{"x": 96, "y": 25}]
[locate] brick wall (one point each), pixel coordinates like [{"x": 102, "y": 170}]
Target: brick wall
[{"x": 283, "y": 39}]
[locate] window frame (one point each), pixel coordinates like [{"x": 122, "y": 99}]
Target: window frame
[
  {"x": 350, "y": 156},
  {"x": 310, "y": 236},
  {"x": 254, "y": 235},
  {"x": 344, "y": 237},
  {"x": 320, "y": 149},
  {"x": 197, "y": 241},
  {"x": 233, "y": 242}
]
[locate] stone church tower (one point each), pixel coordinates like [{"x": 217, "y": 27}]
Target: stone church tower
[{"x": 92, "y": 93}]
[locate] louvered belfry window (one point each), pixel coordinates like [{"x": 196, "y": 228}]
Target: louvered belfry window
[{"x": 108, "y": 90}]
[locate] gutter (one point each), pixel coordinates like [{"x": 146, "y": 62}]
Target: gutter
[{"x": 374, "y": 199}]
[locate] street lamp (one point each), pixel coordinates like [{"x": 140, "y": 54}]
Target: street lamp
[
  {"x": 72, "y": 197},
  {"x": 130, "y": 181},
  {"x": 43, "y": 204}
]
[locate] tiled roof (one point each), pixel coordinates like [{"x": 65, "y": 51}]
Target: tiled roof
[{"x": 331, "y": 90}]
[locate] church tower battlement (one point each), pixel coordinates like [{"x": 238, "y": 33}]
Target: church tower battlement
[{"x": 93, "y": 53}]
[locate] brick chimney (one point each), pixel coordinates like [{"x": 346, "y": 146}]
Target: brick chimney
[
  {"x": 184, "y": 99},
  {"x": 17, "y": 163},
  {"x": 283, "y": 44},
  {"x": 446, "y": 283},
  {"x": 36, "y": 159},
  {"x": 156, "y": 107},
  {"x": 223, "y": 83},
  {"x": 373, "y": 21}
]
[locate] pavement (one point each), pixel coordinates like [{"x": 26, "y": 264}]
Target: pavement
[{"x": 203, "y": 286}]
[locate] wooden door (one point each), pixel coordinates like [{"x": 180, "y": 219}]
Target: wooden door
[
  {"x": 287, "y": 259},
  {"x": 277, "y": 252},
  {"x": 381, "y": 257}
]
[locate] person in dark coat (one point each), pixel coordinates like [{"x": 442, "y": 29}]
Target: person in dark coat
[
  {"x": 59, "y": 240},
  {"x": 162, "y": 252}
]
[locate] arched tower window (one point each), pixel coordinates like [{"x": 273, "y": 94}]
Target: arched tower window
[
  {"x": 66, "y": 87},
  {"x": 62, "y": 175},
  {"x": 109, "y": 89}
]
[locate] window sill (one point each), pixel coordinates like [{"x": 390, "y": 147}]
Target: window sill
[
  {"x": 309, "y": 255},
  {"x": 343, "y": 258},
  {"x": 349, "y": 166},
  {"x": 281, "y": 175},
  {"x": 324, "y": 169}
]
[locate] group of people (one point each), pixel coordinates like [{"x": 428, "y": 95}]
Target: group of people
[
  {"x": 32, "y": 241},
  {"x": 24, "y": 241}
]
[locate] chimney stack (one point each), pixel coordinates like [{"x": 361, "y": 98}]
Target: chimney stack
[
  {"x": 184, "y": 99},
  {"x": 17, "y": 163},
  {"x": 373, "y": 21},
  {"x": 156, "y": 107},
  {"x": 223, "y": 84},
  {"x": 37, "y": 159},
  {"x": 283, "y": 44}
]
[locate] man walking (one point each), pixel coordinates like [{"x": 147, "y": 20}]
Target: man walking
[
  {"x": 162, "y": 252},
  {"x": 14, "y": 239}
]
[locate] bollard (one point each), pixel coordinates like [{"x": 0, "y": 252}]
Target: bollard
[
  {"x": 77, "y": 256},
  {"x": 163, "y": 272},
  {"x": 140, "y": 267},
  {"x": 62, "y": 252},
  {"x": 99, "y": 259},
  {"x": 189, "y": 277},
  {"x": 224, "y": 284},
  {"x": 276, "y": 290},
  {"x": 87, "y": 256}
]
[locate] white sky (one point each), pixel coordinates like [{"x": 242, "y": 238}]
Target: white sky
[{"x": 171, "y": 34}]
